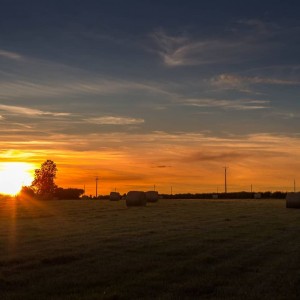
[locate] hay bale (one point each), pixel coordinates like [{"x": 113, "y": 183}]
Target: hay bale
[
  {"x": 114, "y": 196},
  {"x": 152, "y": 196},
  {"x": 136, "y": 198},
  {"x": 293, "y": 200}
]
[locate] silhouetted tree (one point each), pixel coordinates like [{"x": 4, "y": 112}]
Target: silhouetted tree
[{"x": 43, "y": 182}]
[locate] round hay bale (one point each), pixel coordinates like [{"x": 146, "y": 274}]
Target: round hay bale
[
  {"x": 136, "y": 198},
  {"x": 114, "y": 196},
  {"x": 152, "y": 196},
  {"x": 293, "y": 200}
]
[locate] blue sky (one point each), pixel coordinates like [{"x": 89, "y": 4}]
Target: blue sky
[{"x": 104, "y": 72}]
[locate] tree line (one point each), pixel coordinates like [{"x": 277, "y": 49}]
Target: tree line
[{"x": 234, "y": 195}]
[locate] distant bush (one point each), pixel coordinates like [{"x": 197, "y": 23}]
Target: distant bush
[
  {"x": 26, "y": 193},
  {"x": 114, "y": 196},
  {"x": 68, "y": 194}
]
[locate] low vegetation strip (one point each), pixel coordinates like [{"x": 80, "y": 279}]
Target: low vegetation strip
[{"x": 173, "y": 249}]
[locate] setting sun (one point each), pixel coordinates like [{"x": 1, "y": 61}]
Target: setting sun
[{"x": 14, "y": 175}]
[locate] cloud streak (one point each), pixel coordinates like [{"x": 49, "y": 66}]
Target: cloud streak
[
  {"x": 231, "y": 81},
  {"x": 113, "y": 120},
  {"x": 243, "y": 104},
  {"x": 20, "y": 110},
  {"x": 10, "y": 55},
  {"x": 31, "y": 89},
  {"x": 213, "y": 156}
]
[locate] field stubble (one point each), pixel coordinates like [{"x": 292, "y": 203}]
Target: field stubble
[{"x": 174, "y": 249}]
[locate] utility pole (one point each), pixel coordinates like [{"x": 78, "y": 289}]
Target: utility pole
[
  {"x": 97, "y": 179},
  {"x": 294, "y": 186},
  {"x": 225, "y": 183}
]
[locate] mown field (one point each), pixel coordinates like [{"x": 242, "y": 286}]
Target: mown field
[{"x": 175, "y": 249}]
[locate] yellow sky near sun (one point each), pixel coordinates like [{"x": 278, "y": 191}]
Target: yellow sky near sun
[{"x": 14, "y": 175}]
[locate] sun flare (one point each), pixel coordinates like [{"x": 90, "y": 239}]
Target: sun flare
[{"x": 14, "y": 175}]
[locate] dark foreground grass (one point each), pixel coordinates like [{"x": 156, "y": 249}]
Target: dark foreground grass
[{"x": 175, "y": 249}]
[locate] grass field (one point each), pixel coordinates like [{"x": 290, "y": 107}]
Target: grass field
[{"x": 175, "y": 249}]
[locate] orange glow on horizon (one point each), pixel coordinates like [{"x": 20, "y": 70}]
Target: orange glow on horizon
[{"x": 189, "y": 163}]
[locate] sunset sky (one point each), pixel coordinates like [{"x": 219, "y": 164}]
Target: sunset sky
[{"x": 144, "y": 93}]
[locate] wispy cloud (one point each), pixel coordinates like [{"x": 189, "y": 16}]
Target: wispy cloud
[
  {"x": 183, "y": 51},
  {"x": 253, "y": 23},
  {"x": 258, "y": 27},
  {"x": 285, "y": 115},
  {"x": 162, "y": 166},
  {"x": 10, "y": 55},
  {"x": 113, "y": 120},
  {"x": 231, "y": 81},
  {"x": 24, "y": 89},
  {"x": 243, "y": 104},
  {"x": 20, "y": 110}
]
